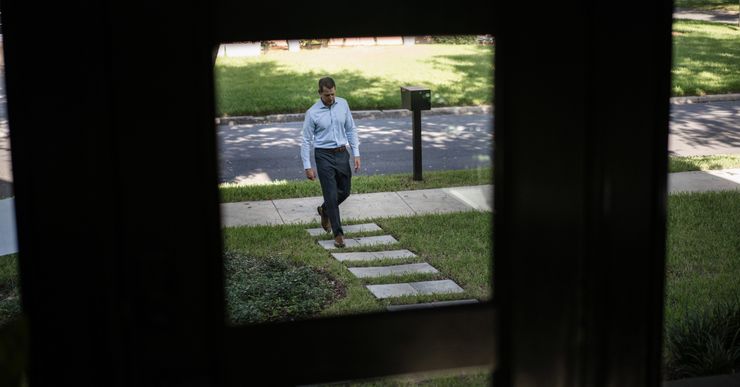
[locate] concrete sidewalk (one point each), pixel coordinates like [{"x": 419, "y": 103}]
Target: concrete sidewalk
[
  {"x": 385, "y": 204},
  {"x": 419, "y": 202},
  {"x": 360, "y": 206}
]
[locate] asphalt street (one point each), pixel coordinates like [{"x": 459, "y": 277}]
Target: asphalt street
[
  {"x": 269, "y": 152},
  {"x": 705, "y": 129}
]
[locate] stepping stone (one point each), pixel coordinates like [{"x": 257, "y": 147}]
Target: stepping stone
[
  {"x": 366, "y": 227},
  {"x": 425, "y": 305},
  {"x": 373, "y": 256},
  {"x": 380, "y": 271},
  {"x": 391, "y": 290},
  {"x": 359, "y": 242},
  {"x": 414, "y": 288}
]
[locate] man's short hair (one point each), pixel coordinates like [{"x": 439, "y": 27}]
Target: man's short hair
[{"x": 326, "y": 83}]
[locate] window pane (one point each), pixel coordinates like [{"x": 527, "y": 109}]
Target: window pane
[{"x": 410, "y": 241}]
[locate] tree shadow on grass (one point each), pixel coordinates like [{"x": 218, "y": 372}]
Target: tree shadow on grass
[
  {"x": 267, "y": 87},
  {"x": 705, "y": 64},
  {"x": 475, "y": 72}
]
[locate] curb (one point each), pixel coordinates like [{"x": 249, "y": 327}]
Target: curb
[
  {"x": 456, "y": 110},
  {"x": 705, "y": 98},
  {"x": 359, "y": 114},
  {"x": 707, "y": 15}
]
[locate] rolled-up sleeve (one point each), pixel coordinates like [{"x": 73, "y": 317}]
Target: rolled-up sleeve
[
  {"x": 351, "y": 130},
  {"x": 307, "y": 141}
]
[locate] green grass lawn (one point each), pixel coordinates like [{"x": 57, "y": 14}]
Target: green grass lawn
[
  {"x": 706, "y": 61},
  {"x": 703, "y": 249},
  {"x": 702, "y": 300},
  {"x": 724, "y": 5},
  {"x": 706, "y": 58},
  {"x": 463, "y": 256},
  {"x": 702, "y": 264},
  {"x": 368, "y": 77},
  {"x": 703, "y": 253}
]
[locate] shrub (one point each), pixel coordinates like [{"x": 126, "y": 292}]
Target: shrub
[
  {"x": 455, "y": 39},
  {"x": 704, "y": 343},
  {"x": 10, "y": 306},
  {"x": 273, "y": 289}
]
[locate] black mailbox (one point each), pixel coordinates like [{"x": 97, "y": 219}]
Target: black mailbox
[{"x": 416, "y": 98}]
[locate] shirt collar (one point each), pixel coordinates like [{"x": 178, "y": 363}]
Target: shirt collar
[{"x": 323, "y": 106}]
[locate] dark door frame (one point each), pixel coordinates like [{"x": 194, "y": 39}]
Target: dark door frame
[{"x": 114, "y": 159}]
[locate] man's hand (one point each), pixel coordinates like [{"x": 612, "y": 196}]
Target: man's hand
[
  {"x": 310, "y": 174},
  {"x": 357, "y": 164}
]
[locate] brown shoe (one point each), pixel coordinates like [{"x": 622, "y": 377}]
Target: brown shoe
[
  {"x": 339, "y": 241},
  {"x": 325, "y": 223}
]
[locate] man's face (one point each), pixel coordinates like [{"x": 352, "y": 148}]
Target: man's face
[{"x": 327, "y": 95}]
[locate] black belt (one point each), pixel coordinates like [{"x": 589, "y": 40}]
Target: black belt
[{"x": 334, "y": 150}]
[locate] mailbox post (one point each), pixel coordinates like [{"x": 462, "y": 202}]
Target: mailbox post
[{"x": 416, "y": 99}]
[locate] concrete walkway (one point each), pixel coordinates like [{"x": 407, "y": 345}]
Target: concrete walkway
[
  {"x": 385, "y": 204},
  {"x": 428, "y": 280}
]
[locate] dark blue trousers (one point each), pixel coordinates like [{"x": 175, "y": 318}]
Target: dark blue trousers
[{"x": 335, "y": 176}]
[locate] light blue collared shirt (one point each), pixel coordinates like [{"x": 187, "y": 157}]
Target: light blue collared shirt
[{"x": 328, "y": 127}]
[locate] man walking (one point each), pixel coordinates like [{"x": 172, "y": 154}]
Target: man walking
[{"x": 330, "y": 128}]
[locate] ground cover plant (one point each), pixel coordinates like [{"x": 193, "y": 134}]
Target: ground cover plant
[
  {"x": 10, "y": 305},
  {"x": 271, "y": 289},
  {"x": 704, "y": 342}
]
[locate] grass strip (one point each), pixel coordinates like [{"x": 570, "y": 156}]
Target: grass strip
[
  {"x": 396, "y": 279},
  {"x": 285, "y": 189},
  {"x": 702, "y": 163},
  {"x": 426, "y": 298},
  {"x": 384, "y": 262}
]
